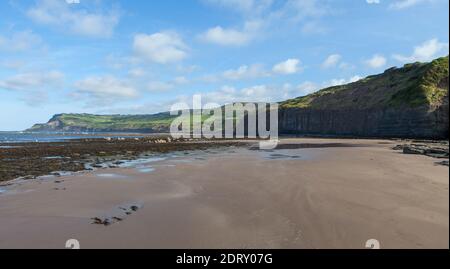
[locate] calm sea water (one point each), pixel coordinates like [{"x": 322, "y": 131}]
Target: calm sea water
[{"x": 23, "y": 137}]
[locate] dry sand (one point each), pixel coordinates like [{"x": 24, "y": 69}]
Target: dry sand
[{"x": 238, "y": 198}]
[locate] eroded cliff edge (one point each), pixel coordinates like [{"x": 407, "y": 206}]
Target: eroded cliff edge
[{"x": 411, "y": 101}]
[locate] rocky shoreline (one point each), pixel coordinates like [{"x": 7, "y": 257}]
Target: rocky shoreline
[
  {"x": 434, "y": 149},
  {"x": 31, "y": 160}
]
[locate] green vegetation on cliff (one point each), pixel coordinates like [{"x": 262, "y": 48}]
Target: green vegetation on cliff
[
  {"x": 89, "y": 122},
  {"x": 109, "y": 123},
  {"x": 413, "y": 85}
]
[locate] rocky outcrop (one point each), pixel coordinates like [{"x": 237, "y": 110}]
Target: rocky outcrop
[{"x": 434, "y": 149}]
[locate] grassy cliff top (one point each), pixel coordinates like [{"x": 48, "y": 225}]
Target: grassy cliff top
[
  {"x": 412, "y": 85},
  {"x": 116, "y": 122},
  {"x": 109, "y": 122}
]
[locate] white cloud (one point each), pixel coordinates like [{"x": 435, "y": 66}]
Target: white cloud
[
  {"x": 104, "y": 89},
  {"x": 72, "y": 18},
  {"x": 232, "y": 37},
  {"x": 372, "y": 1},
  {"x": 254, "y": 71},
  {"x": 245, "y": 72},
  {"x": 377, "y": 61},
  {"x": 425, "y": 52},
  {"x": 226, "y": 37},
  {"x": 290, "y": 66},
  {"x": 262, "y": 16},
  {"x": 32, "y": 81},
  {"x": 20, "y": 41},
  {"x": 162, "y": 48},
  {"x": 33, "y": 87},
  {"x": 402, "y": 4},
  {"x": 331, "y": 61}
]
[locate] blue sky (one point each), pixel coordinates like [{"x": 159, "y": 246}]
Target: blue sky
[{"x": 127, "y": 57}]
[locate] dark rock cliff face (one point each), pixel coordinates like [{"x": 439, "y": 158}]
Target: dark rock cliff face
[
  {"x": 411, "y": 102},
  {"x": 388, "y": 122}
]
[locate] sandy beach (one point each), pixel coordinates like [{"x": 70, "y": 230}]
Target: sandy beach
[{"x": 318, "y": 197}]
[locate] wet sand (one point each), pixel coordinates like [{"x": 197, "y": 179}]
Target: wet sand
[{"x": 318, "y": 197}]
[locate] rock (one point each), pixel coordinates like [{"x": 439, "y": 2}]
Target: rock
[
  {"x": 398, "y": 147},
  {"x": 413, "y": 150},
  {"x": 437, "y": 156},
  {"x": 445, "y": 163},
  {"x": 431, "y": 149},
  {"x": 442, "y": 153},
  {"x": 100, "y": 221}
]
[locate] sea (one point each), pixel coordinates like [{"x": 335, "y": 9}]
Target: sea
[{"x": 26, "y": 137}]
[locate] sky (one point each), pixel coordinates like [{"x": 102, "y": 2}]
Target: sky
[{"x": 138, "y": 57}]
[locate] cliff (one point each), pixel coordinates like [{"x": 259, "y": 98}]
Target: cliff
[
  {"x": 157, "y": 123},
  {"x": 411, "y": 101}
]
